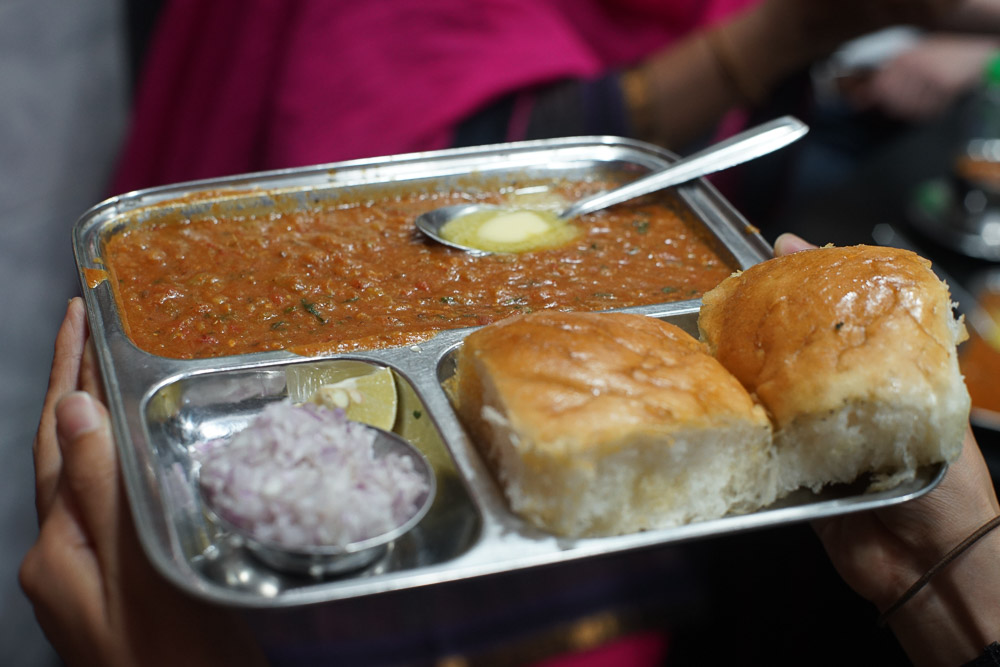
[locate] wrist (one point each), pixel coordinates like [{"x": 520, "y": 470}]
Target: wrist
[
  {"x": 638, "y": 106},
  {"x": 748, "y": 86},
  {"x": 954, "y": 616},
  {"x": 767, "y": 45}
]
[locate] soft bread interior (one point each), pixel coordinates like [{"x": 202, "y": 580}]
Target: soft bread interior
[
  {"x": 852, "y": 351},
  {"x": 602, "y": 424}
]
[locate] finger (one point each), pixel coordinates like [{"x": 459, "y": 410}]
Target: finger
[
  {"x": 787, "y": 243},
  {"x": 61, "y": 578},
  {"x": 63, "y": 378},
  {"x": 90, "y": 472}
]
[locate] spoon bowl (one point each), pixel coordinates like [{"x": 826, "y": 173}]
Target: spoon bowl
[
  {"x": 431, "y": 222},
  {"x": 743, "y": 147}
]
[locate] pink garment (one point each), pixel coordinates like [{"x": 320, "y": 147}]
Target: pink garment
[
  {"x": 234, "y": 86},
  {"x": 641, "y": 649}
]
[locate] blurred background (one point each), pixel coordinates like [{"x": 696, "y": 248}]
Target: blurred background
[
  {"x": 68, "y": 69},
  {"x": 63, "y": 94}
]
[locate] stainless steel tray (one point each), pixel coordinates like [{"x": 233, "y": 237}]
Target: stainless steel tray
[{"x": 162, "y": 408}]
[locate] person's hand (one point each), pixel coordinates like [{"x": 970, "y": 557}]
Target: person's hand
[
  {"x": 95, "y": 595},
  {"x": 924, "y": 81},
  {"x": 881, "y": 553},
  {"x": 819, "y": 26}
]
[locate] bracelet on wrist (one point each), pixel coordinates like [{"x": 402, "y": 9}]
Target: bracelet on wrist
[
  {"x": 636, "y": 95},
  {"x": 929, "y": 574}
]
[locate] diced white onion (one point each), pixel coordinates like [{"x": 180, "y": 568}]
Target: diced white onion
[{"x": 304, "y": 476}]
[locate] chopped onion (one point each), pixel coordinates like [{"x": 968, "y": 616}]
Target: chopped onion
[{"x": 306, "y": 476}]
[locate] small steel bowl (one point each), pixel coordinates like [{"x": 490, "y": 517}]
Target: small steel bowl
[{"x": 330, "y": 560}]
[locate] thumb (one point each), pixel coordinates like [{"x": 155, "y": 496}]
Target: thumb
[{"x": 787, "y": 243}]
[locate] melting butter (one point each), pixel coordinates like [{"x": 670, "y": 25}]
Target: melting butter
[{"x": 515, "y": 230}]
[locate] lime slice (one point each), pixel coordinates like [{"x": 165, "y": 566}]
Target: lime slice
[
  {"x": 303, "y": 380},
  {"x": 369, "y": 398}
]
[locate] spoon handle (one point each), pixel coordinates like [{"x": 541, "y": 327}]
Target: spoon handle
[{"x": 740, "y": 148}]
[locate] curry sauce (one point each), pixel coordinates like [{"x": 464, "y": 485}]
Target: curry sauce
[
  {"x": 357, "y": 275},
  {"x": 980, "y": 360}
]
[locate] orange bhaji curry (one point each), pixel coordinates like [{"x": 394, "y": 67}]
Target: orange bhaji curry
[
  {"x": 350, "y": 276},
  {"x": 980, "y": 359}
]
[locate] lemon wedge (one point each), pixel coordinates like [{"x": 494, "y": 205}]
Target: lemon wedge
[
  {"x": 369, "y": 398},
  {"x": 366, "y": 393}
]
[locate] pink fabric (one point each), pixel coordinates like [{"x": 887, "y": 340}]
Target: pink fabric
[
  {"x": 233, "y": 86},
  {"x": 644, "y": 649}
]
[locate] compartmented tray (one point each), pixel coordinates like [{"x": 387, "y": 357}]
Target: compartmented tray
[{"x": 164, "y": 408}]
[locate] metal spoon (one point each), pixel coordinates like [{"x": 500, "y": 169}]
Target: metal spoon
[{"x": 743, "y": 147}]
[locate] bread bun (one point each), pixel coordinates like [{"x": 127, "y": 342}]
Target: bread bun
[
  {"x": 852, "y": 352},
  {"x": 601, "y": 424}
]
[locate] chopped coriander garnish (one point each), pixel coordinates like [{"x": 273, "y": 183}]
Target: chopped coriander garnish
[{"x": 311, "y": 309}]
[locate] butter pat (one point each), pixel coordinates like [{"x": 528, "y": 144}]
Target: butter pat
[
  {"x": 513, "y": 227},
  {"x": 514, "y": 230}
]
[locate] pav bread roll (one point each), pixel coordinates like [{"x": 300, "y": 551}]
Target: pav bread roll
[
  {"x": 851, "y": 350},
  {"x": 602, "y": 424}
]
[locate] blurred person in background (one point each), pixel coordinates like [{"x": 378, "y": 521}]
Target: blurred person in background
[
  {"x": 233, "y": 87},
  {"x": 901, "y": 85},
  {"x": 928, "y": 73}
]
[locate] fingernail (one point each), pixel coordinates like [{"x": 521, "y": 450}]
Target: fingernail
[{"x": 77, "y": 415}]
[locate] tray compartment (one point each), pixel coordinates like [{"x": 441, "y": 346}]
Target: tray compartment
[{"x": 185, "y": 413}]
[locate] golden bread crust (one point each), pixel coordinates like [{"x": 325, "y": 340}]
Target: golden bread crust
[
  {"x": 569, "y": 382},
  {"x": 610, "y": 423},
  {"x": 810, "y": 331}
]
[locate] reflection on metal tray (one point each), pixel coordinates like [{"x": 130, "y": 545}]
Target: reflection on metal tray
[
  {"x": 164, "y": 408},
  {"x": 960, "y": 216},
  {"x": 979, "y": 357}
]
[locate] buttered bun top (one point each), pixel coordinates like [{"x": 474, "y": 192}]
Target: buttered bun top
[
  {"x": 585, "y": 377},
  {"x": 852, "y": 351},
  {"x": 810, "y": 329},
  {"x": 603, "y": 424}
]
